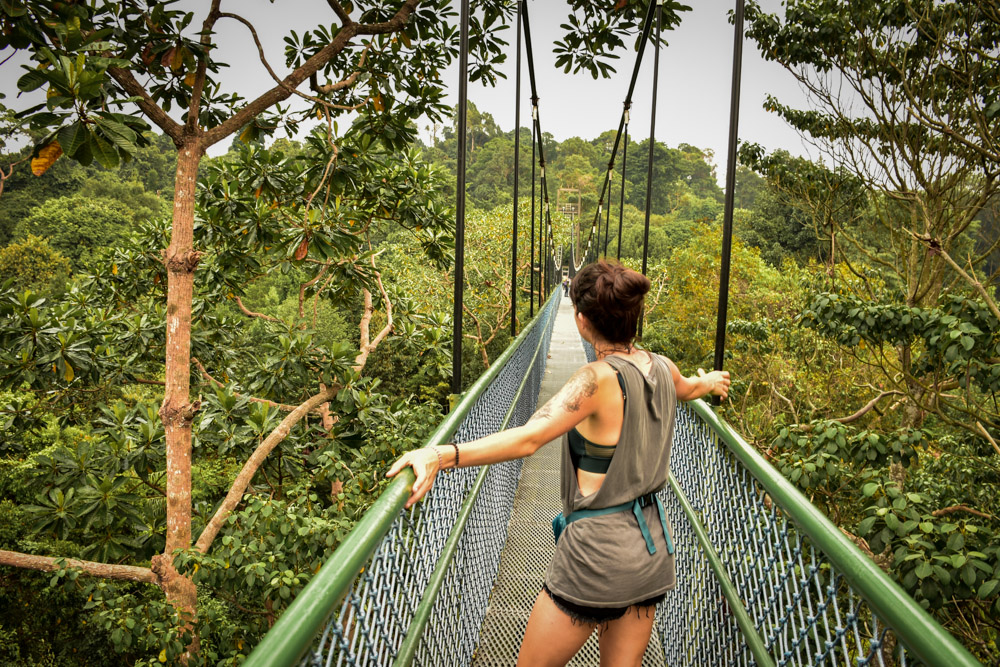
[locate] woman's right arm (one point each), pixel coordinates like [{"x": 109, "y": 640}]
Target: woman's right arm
[{"x": 577, "y": 400}]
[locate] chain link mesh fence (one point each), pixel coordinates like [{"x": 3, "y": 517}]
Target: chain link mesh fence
[
  {"x": 373, "y": 619},
  {"x": 805, "y": 611}
]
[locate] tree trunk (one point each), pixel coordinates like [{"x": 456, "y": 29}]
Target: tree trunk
[{"x": 177, "y": 411}]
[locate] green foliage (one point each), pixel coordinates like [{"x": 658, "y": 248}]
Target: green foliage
[
  {"x": 78, "y": 226},
  {"x": 34, "y": 265},
  {"x": 591, "y": 34},
  {"x": 938, "y": 557},
  {"x": 151, "y": 166},
  {"x": 960, "y": 339}
]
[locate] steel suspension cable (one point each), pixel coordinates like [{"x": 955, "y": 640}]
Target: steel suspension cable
[
  {"x": 545, "y": 219},
  {"x": 607, "y": 222},
  {"x": 531, "y": 263},
  {"x": 646, "y": 29},
  {"x": 463, "y": 102},
  {"x": 727, "y": 217}
]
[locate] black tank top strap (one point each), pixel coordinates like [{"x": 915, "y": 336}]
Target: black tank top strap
[{"x": 621, "y": 383}]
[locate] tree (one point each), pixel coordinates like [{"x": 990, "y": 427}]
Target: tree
[
  {"x": 34, "y": 264},
  {"x": 898, "y": 105},
  {"x": 78, "y": 226},
  {"x": 108, "y": 68},
  {"x": 90, "y": 67},
  {"x": 902, "y": 107}
]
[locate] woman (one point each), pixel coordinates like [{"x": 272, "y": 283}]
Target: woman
[{"x": 611, "y": 567}]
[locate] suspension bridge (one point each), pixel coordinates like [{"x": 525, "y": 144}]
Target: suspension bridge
[{"x": 764, "y": 578}]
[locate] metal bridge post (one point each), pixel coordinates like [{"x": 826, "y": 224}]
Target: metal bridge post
[
  {"x": 463, "y": 103},
  {"x": 517, "y": 179},
  {"x": 727, "y": 217}
]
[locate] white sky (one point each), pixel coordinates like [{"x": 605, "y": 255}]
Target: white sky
[{"x": 694, "y": 88}]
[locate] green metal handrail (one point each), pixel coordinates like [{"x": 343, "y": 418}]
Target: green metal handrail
[
  {"x": 290, "y": 637},
  {"x": 411, "y": 642},
  {"x": 913, "y": 626}
]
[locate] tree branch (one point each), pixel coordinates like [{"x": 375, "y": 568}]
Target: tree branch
[
  {"x": 982, "y": 429},
  {"x": 934, "y": 246},
  {"x": 250, "y": 313},
  {"x": 944, "y": 511},
  {"x": 294, "y": 91},
  {"x": 10, "y": 171},
  {"x": 310, "y": 283},
  {"x": 479, "y": 335},
  {"x": 170, "y": 127},
  {"x": 281, "y": 92},
  {"x": 340, "y": 85},
  {"x": 867, "y": 408},
  {"x": 284, "y": 407},
  {"x": 256, "y": 460},
  {"x": 344, "y": 17},
  {"x": 105, "y": 570},
  {"x": 198, "y": 86},
  {"x": 367, "y": 347}
]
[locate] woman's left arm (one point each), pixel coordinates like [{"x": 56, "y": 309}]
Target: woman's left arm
[{"x": 577, "y": 400}]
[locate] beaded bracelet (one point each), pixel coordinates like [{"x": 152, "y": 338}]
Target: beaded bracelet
[
  {"x": 440, "y": 462},
  {"x": 456, "y": 452}
]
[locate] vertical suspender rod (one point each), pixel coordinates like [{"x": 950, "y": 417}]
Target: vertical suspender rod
[
  {"x": 463, "y": 103},
  {"x": 621, "y": 204},
  {"x": 531, "y": 264},
  {"x": 607, "y": 222},
  {"x": 545, "y": 224},
  {"x": 727, "y": 218},
  {"x": 517, "y": 179}
]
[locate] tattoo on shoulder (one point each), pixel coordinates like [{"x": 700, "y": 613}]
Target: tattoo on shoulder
[{"x": 582, "y": 385}]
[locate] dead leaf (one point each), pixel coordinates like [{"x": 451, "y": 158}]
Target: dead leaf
[
  {"x": 46, "y": 157},
  {"x": 303, "y": 249}
]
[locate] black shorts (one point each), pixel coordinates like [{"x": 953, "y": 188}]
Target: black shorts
[{"x": 601, "y": 615}]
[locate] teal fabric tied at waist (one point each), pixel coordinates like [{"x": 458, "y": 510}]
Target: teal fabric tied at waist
[{"x": 560, "y": 522}]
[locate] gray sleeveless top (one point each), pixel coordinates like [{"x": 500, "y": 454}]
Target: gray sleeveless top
[{"x": 602, "y": 561}]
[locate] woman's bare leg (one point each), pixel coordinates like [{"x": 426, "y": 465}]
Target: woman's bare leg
[
  {"x": 624, "y": 641},
  {"x": 552, "y": 638}
]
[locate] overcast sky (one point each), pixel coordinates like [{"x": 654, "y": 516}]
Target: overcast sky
[{"x": 694, "y": 87}]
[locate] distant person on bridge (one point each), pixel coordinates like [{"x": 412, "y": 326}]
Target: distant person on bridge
[{"x": 614, "y": 560}]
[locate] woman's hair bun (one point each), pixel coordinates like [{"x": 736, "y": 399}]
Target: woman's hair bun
[{"x": 610, "y": 295}]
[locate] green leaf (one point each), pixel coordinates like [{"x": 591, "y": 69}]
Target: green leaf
[
  {"x": 988, "y": 588},
  {"x": 866, "y": 525},
  {"x": 72, "y": 137},
  {"x": 33, "y": 80},
  {"x": 104, "y": 153},
  {"x": 923, "y": 570}
]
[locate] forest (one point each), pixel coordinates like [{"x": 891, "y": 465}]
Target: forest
[{"x": 207, "y": 363}]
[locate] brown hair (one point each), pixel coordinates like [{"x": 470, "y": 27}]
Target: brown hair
[{"x": 610, "y": 296}]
